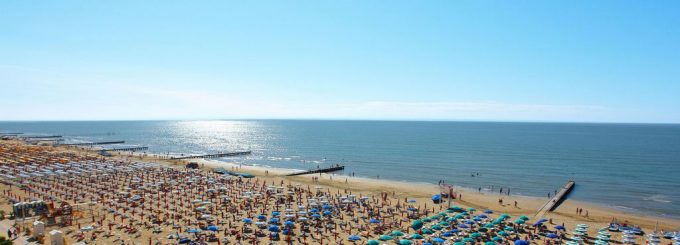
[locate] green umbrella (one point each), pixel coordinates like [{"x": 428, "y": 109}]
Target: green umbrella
[
  {"x": 459, "y": 243},
  {"x": 471, "y": 209},
  {"x": 519, "y": 221},
  {"x": 444, "y": 223},
  {"x": 508, "y": 228},
  {"x": 417, "y": 224},
  {"x": 451, "y": 219},
  {"x": 467, "y": 239},
  {"x": 373, "y": 242},
  {"x": 427, "y": 231},
  {"x": 483, "y": 229},
  {"x": 397, "y": 233},
  {"x": 404, "y": 242},
  {"x": 416, "y": 236},
  {"x": 475, "y": 235},
  {"x": 524, "y": 217},
  {"x": 489, "y": 243},
  {"x": 436, "y": 227},
  {"x": 427, "y": 220},
  {"x": 488, "y": 225},
  {"x": 497, "y": 238},
  {"x": 503, "y": 233},
  {"x": 385, "y": 238}
]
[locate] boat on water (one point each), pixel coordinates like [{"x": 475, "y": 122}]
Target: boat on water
[
  {"x": 669, "y": 235},
  {"x": 237, "y": 174},
  {"x": 614, "y": 226}
]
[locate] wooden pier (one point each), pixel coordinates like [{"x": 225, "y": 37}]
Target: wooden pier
[
  {"x": 95, "y": 143},
  {"x": 41, "y": 137},
  {"x": 557, "y": 199},
  {"x": 139, "y": 148},
  {"x": 319, "y": 170},
  {"x": 217, "y": 155}
]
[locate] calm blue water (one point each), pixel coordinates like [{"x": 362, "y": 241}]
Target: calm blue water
[{"x": 630, "y": 166}]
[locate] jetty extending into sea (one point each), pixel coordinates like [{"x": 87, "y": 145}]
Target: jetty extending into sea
[
  {"x": 557, "y": 199},
  {"x": 216, "y": 155},
  {"x": 319, "y": 170}
]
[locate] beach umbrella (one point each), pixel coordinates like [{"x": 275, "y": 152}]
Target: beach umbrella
[
  {"x": 436, "y": 227},
  {"x": 463, "y": 226},
  {"x": 374, "y": 221},
  {"x": 397, "y": 233},
  {"x": 470, "y": 222},
  {"x": 212, "y": 228},
  {"x": 503, "y": 233},
  {"x": 412, "y": 201},
  {"x": 327, "y": 213},
  {"x": 276, "y": 213},
  {"x": 488, "y": 211},
  {"x": 489, "y": 243},
  {"x": 417, "y": 224},
  {"x": 483, "y": 229},
  {"x": 427, "y": 243},
  {"x": 193, "y": 230},
  {"x": 289, "y": 223},
  {"x": 521, "y": 242},
  {"x": 559, "y": 227},
  {"x": 427, "y": 220},
  {"x": 519, "y": 221},
  {"x": 437, "y": 198},
  {"x": 427, "y": 231},
  {"x": 524, "y": 217},
  {"x": 471, "y": 209},
  {"x": 551, "y": 235},
  {"x": 497, "y": 238},
  {"x": 482, "y": 216},
  {"x": 373, "y": 242},
  {"x": 447, "y": 234},
  {"x": 274, "y": 220},
  {"x": 274, "y": 228},
  {"x": 438, "y": 240},
  {"x": 468, "y": 240},
  {"x": 385, "y": 238},
  {"x": 444, "y": 223},
  {"x": 542, "y": 220},
  {"x": 247, "y": 221},
  {"x": 508, "y": 228},
  {"x": 475, "y": 235},
  {"x": 455, "y": 230},
  {"x": 488, "y": 225},
  {"x": 405, "y": 242},
  {"x": 416, "y": 236},
  {"x": 354, "y": 238},
  {"x": 184, "y": 240},
  {"x": 459, "y": 243},
  {"x": 261, "y": 217}
]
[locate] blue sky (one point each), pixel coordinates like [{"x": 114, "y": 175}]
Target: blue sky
[{"x": 584, "y": 61}]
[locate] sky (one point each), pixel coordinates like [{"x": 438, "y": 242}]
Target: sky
[{"x": 567, "y": 61}]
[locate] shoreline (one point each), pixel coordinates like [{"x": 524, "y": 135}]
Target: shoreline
[{"x": 598, "y": 213}]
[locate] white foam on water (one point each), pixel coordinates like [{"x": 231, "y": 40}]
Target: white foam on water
[{"x": 657, "y": 198}]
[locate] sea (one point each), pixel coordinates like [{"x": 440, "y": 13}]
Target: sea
[{"x": 632, "y": 167}]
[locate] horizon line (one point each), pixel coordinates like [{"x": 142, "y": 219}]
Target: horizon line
[{"x": 342, "y": 119}]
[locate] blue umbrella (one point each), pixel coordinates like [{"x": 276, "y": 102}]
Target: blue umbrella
[
  {"x": 184, "y": 240},
  {"x": 463, "y": 226},
  {"x": 438, "y": 240},
  {"x": 247, "y": 221},
  {"x": 412, "y": 201},
  {"x": 551, "y": 235},
  {"x": 316, "y": 216},
  {"x": 289, "y": 223},
  {"x": 447, "y": 234},
  {"x": 261, "y": 217},
  {"x": 374, "y": 221},
  {"x": 470, "y": 222},
  {"x": 354, "y": 238},
  {"x": 521, "y": 242},
  {"x": 427, "y": 243},
  {"x": 436, "y": 197},
  {"x": 482, "y": 216},
  {"x": 273, "y": 228},
  {"x": 488, "y": 211},
  {"x": 275, "y": 213},
  {"x": 455, "y": 230},
  {"x": 314, "y": 210},
  {"x": 559, "y": 227},
  {"x": 193, "y": 230},
  {"x": 274, "y": 220},
  {"x": 327, "y": 212},
  {"x": 213, "y": 228}
]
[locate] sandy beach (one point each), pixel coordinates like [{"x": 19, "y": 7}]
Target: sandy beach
[{"x": 382, "y": 197}]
